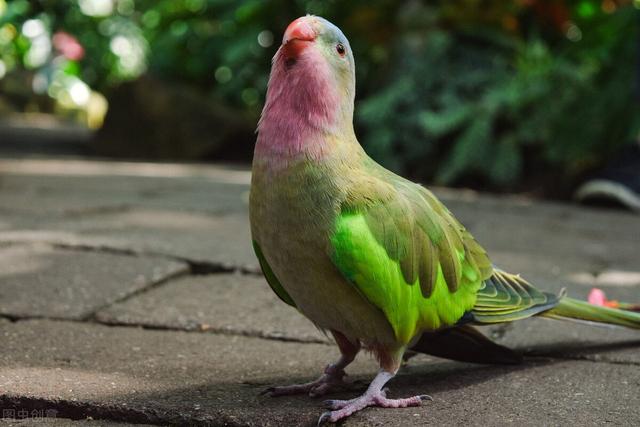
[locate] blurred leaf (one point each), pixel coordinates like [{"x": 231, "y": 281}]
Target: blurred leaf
[{"x": 443, "y": 122}]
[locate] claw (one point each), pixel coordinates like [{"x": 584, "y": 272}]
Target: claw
[
  {"x": 324, "y": 418},
  {"x": 329, "y": 404},
  {"x": 424, "y": 397}
]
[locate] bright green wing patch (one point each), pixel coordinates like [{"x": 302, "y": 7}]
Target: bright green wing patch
[
  {"x": 272, "y": 280},
  {"x": 367, "y": 264}
]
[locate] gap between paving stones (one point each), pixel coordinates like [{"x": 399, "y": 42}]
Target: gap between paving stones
[
  {"x": 528, "y": 354},
  {"x": 196, "y": 268},
  {"x": 71, "y": 410}
]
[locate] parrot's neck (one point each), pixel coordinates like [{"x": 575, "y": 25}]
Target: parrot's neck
[{"x": 303, "y": 116}]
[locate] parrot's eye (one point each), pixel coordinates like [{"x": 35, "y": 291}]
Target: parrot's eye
[{"x": 340, "y": 49}]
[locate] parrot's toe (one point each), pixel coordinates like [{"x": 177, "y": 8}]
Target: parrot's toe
[
  {"x": 287, "y": 390},
  {"x": 331, "y": 380},
  {"x": 341, "y": 409},
  {"x": 334, "y": 404}
]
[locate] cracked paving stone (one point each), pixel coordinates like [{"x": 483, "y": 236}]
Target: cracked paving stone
[
  {"x": 231, "y": 303},
  {"x": 40, "y": 281},
  {"x": 127, "y": 374},
  {"x": 223, "y": 240}
]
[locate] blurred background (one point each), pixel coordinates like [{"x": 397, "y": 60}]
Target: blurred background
[{"x": 519, "y": 96}]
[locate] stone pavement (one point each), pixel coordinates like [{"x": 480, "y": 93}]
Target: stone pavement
[{"x": 129, "y": 294}]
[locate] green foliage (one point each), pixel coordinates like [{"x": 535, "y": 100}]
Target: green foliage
[
  {"x": 480, "y": 92},
  {"x": 494, "y": 107}
]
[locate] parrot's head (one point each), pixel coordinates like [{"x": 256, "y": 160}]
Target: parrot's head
[
  {"x": 312, "y": 83},
  {"x": 315, "y": 47}
]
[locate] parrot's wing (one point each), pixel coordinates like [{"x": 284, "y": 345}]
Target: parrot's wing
[
  {"x": 271, "y": 278},
  {"x": 507, "y": 297},
  {"x": 406, "y": 253}
]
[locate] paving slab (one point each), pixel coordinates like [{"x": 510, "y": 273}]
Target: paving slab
[
  {"x": 73, "y": 195},
  {"x": 223, "y": 240},
  {"x": 129, "y": 374},
  {"x": 158, "y": 214},
  {"x": 41, "y": 281},
  {"x": 566, "y": 339},
  {"x": 602, "y": 238},
  {"x": 173, "y": 216},
  {"x": 227, "y": 303},
  {"x": 37, "y": 421}
]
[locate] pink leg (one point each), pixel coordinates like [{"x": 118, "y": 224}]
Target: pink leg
[
  {"x": 374, "y": 396},
  {"x": 332, "y": 377}
]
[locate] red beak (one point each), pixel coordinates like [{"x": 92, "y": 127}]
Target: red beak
[{"x": 297, "y": 37}]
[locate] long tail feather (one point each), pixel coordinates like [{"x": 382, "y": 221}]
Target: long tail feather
[{"x": 569, "y": 308}]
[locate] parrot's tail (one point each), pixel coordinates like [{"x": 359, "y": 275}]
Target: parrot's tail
[{"x": 582, "y": 311}]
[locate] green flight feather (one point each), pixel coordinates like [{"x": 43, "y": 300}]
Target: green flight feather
[
  {"x": 272, "y": 280},
  {"x": 569, "y": 308},
  {"x": 506, "y": 297}
]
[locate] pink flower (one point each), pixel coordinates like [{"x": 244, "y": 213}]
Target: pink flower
[
  {"x": 597, "y": 297},
  {"x": 68, "y": 46}
]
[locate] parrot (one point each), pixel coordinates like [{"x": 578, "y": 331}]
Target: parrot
[{"x": 371, "y": 258}]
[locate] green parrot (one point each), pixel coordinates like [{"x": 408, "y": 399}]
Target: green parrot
[{"x": 372, "y": 258}]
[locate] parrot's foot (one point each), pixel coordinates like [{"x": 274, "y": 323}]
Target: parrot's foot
[
  {"x": 343, "y": 408},
  {"x": 331, "y": 379},
  {"x": 374, "y": 396}
]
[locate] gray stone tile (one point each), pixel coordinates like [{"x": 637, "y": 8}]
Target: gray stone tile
[
  {"x": 40, "y": 281},
  {"x": 74, "y": 195},
  {"x": 223, "y": 240},
  {"x": 600, "y": 238},
  {"x": 63, "y": 422},
  {"x": 180, "y": 377},
  {"x": 568, "y": 339},
  {"x": 229, "y": 303}
]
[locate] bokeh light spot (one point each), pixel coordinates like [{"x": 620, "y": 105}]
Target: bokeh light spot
[
  {"x": 96, "y": 7},
  {"x": 223, "y": 74},
  {"x": 179, "y": 28},
  {"x": 121, "y": 46},
  {"x": 151, "y": 18},
  {"x": 125, "y": 7},
  {"x": 195, "y": 5},
  {"x": 586, "y": 9},
  {"x": 250, "y": 96},
  {"x": 573, "y": 32},
  {"x": 33, "y": 28},
  {"x": 265, "y": 38},
  {"x": 79, "y": 93}
]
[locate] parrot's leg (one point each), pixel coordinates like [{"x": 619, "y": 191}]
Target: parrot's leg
[
  {"x": 331, "y": 378},
  {"x": 374, "y": 396}
]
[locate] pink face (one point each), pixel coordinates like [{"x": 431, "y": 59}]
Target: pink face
[{"x": 310, "y": 92}]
